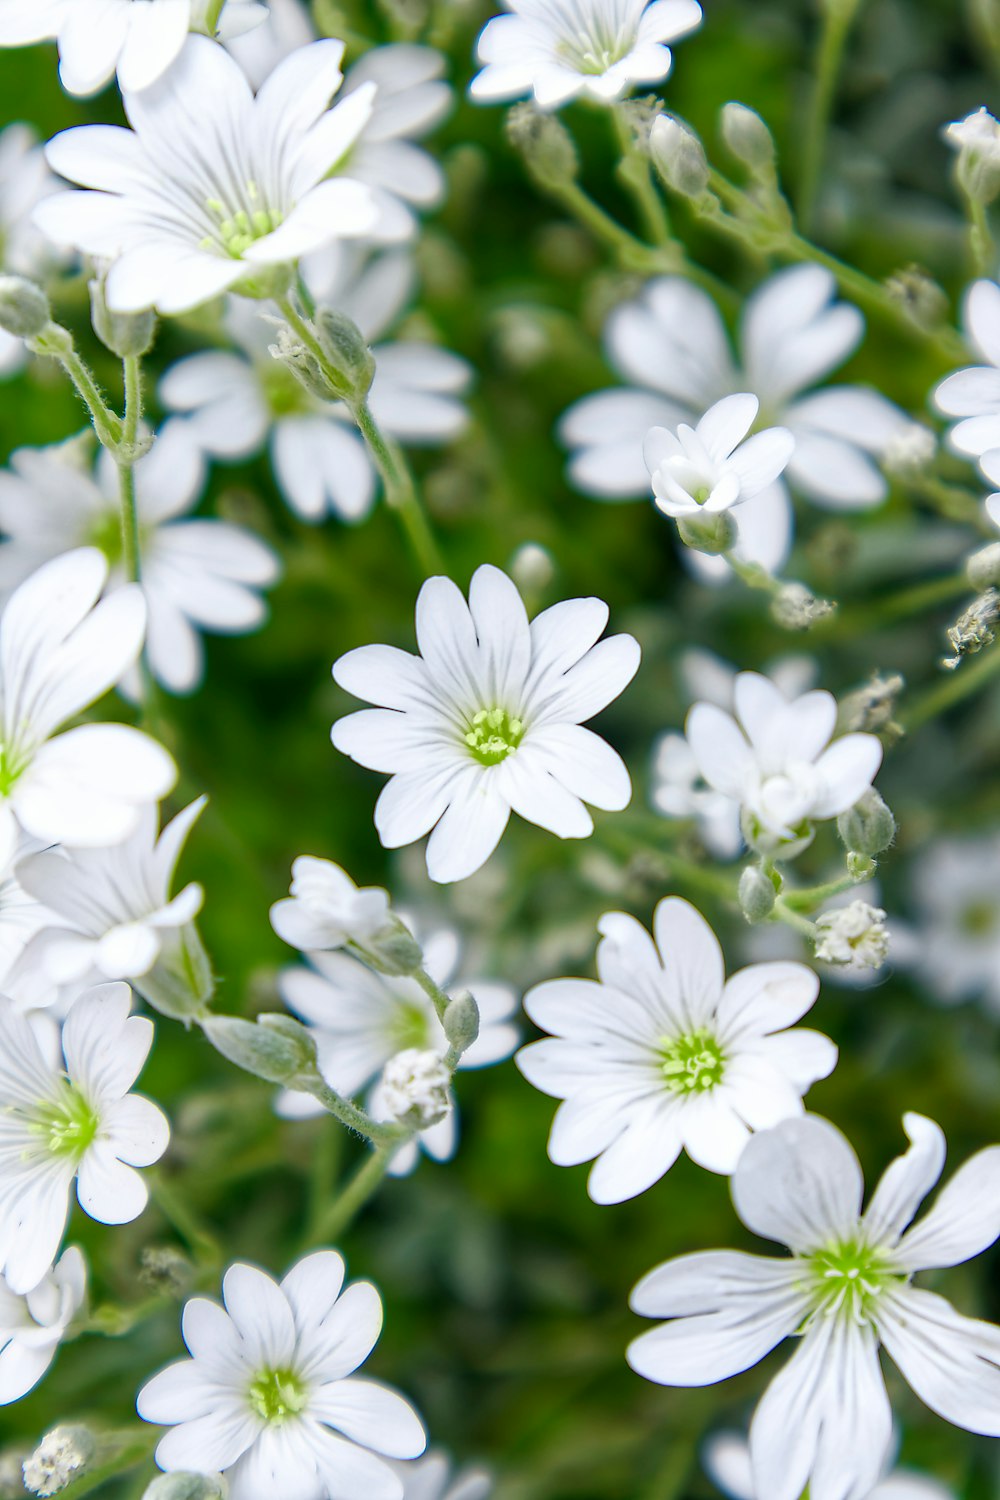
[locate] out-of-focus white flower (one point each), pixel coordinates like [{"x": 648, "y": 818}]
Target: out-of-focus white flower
[
  {"x": 487, "y": 720},
  {"x": 714, "y": 465},
  {"x": 25, "y": 180},
  {"x": 663, "y": 1054},
  {"x": 825, "y": 1420},
  {"x": 598, "y": 48},
  {"x": 977, "y": 141},
  {"x": 269, "y": 1397},
  {"x": 973, "y": 394},
  {"x": 727, "y": 1463},
  {"x": 66, "y": 1114},
  {"x": 775, "y": 758},
  {"x": 34, "y": 1323},
  {"x": 853, "y": 936},
  {"x": 99, "y": 37},
  {"x": 431, "y": 1478},
  {"x": 415, "y": 1087},
  {"x": 953, "y": 943},
  {"x": 197, "y": 575},
  {"x": 214, "y": 188}
]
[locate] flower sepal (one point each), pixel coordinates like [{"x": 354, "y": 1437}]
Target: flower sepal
[{"x": 181, "y": 983}]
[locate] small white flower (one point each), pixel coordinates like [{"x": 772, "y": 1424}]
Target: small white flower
[
  {"x": 269, "y": 1397},
  {"x": 197, "y": 575},
  {"x": 977, "y": 141},
  {"x": 599, "y": 48},
  {"x": 60, "y": 650},
  {"x": 825, "y": 1420},
  {"x": 71, "y": 1117},
  {"x": 662, "y": 1053},
  {"x": 326, "y": 909},
  {"x": 714, "y": 466},
  {"x": 974, "y": 393},
  {"x": 213, "y": 188},
  {"x": 727, "y": 1462},
  {"x": 854, "y": 936},
  {"x": 680, "y": 791},
  {"x": 60, "y": 1457},
  {"x": 416, "y": 1087},
  {"x": 34, "y": 1323},
  {"x": 487, "y": 720},
  {"x": 953, "y": 943},
  {"x": 431, "y": 1478},
  {"x": 776, "y": 760}
]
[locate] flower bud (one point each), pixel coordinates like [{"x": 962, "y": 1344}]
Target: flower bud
[
  {"x": 129, "y": 335},
  {"x": 180, "y": 984},
  {"x": 340, "y": 375},
  {"x": 795, "y": 607},
  {"x": 868, "y": 827},
  {"x": 983, "y": 567},
  {"x": 545, "y": 144},
  {"x": 415, "y": 1088},
  {"x": 852, "y": 936},
  {"x": 748, "y": 138},
  {"x": 974, "y": 628},
  {"x": 532, "y": 567},
  {"x": 870, "y": 708},
  {"x": 274, "y": 1047},
  {"x": 59, "y": 1458},
  {"x": 708, "y": 533},
  {"x": 346, "y": 351},
  {"x": 392, "y": 950},
  {"x": 461, "y": 1021},
  {"x": 165, "y": 1270},
  {"x": 679, "y": 157},
  {"x": 756, "y": 894},
  {"x": 185, "y": 1485},
  {"x": 24, "y": 307},
  {"x": 977, "y": 141}
]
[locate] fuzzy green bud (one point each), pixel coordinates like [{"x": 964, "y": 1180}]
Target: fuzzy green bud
[
  {"x": 24, "y": 307},
  {"x": 461, "y": 1021},
  {"x": 180, "y": 984},
  {"x": 983, "y": 568},
  {"x": 129, "y": 335},
  {"x": 757, "y": 894},
  {"x": 708, "y": 533},
  {"x": 748, "y": 138},
  {"x": 545, "y": 145},
  {"x": 391, "y": 950},
  {"x": 868, "y": 827},
  {"x": 679, "y": 157},
  {"x": 274, "y": 1047},
  {"x": 185, "y": 1485},
  {"x": 346, "y": 351}
]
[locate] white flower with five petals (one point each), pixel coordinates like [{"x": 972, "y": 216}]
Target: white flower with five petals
[
  {"x": 34, "y": 1323},
  {"x": 713, "y": 466}
]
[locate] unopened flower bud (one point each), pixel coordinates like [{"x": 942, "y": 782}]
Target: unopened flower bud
[
  {"x": 415, "y": 1088},
  {"x": 129, "y": 335},
  {"x": 977, "y": 141},
  {"x": 24, "y": 307},
  {"x": 532, "y": 567},
  {"x": 461, "y": 1021},
  {"x": 274, "y": 1047},
  {"x": 712, "y": 533},
  {"x": 748, "y": 138},
  {"x": 180, "y": 984},
  {"x": 974, "y": 628},
  {"x": 545, "y": 145},
  {"x": 870, "y": 708},
  {"x": 346, "y": 352},
  {"x": 185, "y": 1485},
  {"x": 62, "y": 1454},
  {"x": 909, "y": 451},
  {"x": 983, "y": 567},
  {"x": 852, "y": 936},
  {"x": 757, "y": 894},
  {"x": 919, "y": 296},
  {"x": 869, "y": 826},
  {"x": 679, "y": 157},
  {"x": 795, "y": 607}
]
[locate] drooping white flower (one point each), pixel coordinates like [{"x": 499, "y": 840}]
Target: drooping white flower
[
  {"x": 25, "y": 180},
  {"x": 713, "y": 466},
  {"x": 70, "y": 1117},
  {"x": 326, "y": 910},
  {"x": 662, "y": 1053},
  {"x": 137, "y": 38},
  {"x": 825, "y": 1420},
  {"x": 269, "y": 1396},
  {"x": 727, "y": 1462},
  {"x": 973, "y": 394},
  {"x": 952, "y": 943},
  {"x": 556, "y": 50},
  {"x": 853, "y": 936},
  {"x": 34, "y": 1323},
  {"x": 487, "y": 720},
  {"x": 775, "y": 758},
  {"x": 60, "y": 650},
  {"x": 431, "y": 1478},
  {"x": 214, "y": 188},
  {"x": 197, "y": 575}
]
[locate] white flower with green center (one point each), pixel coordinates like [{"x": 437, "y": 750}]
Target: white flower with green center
[
  {"x": 269, "y": 1397},
  {"x": 713, "y": 466},
  {"x": 34, "y": 1323},
  {"x": 662, "y": 1053},
  {"x": 487, "y": 720},
  {"x": 66, "y": 1115},
  {"x": 727, "y": 1462},
  {"x": 213, "y": 187},
  {"x": 825, "y": 1421},
  {"x": 556, "y": 50}
]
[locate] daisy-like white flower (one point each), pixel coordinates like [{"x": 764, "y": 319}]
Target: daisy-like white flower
[
  {"x": 269, "y": 1396},
  {"x": 487, "y": 720},
  {"x": 137, "y": 38},
  {"x": 71, "y": 1117},
  {"x": 557, "y": 50},
  {"x": 727, "y": 1462},
  {"x": 662, "y": 1053},
  {"x": 197, "y": 575},
  {"x": 775, "y": 759},
  {"x": 953, "y": 942},
  {"x": 713, "y": 466},
  {"x": 825, "y": 1420},
  {"x": 213, "y": 188},
  {"x": 34, "y": 1323},
  {"x": 25, "y": 180},
  {"x": 60, "y": 650},
  {"x": 973, "y": 394},
  {"x": 431, "y": 1478},
  {"x": 236, "y": 402}
]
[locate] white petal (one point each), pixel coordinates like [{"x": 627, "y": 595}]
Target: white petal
[
  {"x": 371, "y": 1414},
  {"x": 964, "y": 1221},
  {"x": 906, "y": 1182},
  {"x": 950, "y": 1361},
  {"x": 799, "y": 1184}
]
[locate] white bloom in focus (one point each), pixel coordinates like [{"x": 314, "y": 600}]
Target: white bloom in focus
[
  {"x": 326, "y": 909},
  {"x": 213, "y": 188},
  {"x": 25, "y": 180},
  {"x": 487, "y": 720},
  {"x": 430, "y": 1478},
  {"x": 557, "y": 50},
  {"x": 34, "y": 1323},
  {"x": 714, "y": 466},
  {"x": 197, "y": 575},
  {"x": 953, "y": 943},
  {"x": 269, "y": 1397},
  {"x": 973, "y": 394},
  {"x": 60, "y": 650},
  {"x": 727, "y": 1463},
  {"x": 854, "y": 935},
  {"x": 662, "y": 1053},
  {"x": 71, "y": 1117},
  {"x": 138, "y": 38},
  {"x": 825, "y": 1419},
  {"x": 415, "y": 1087},
  {"x": 775, "y": 758}
]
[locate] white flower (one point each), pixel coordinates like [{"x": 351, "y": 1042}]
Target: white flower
[
  {"x": 59, "y": 650},
  {"x": 775, "y": 759},
  {"x": 197, "y": 575},
  {"x": 853, "y": 935},
  {"x": 138, "y": 38},
  {"x": 825, "y": 1419},
  {"x": 34, "y": 1323},
  {"x": 487, "y": 720},
  {"x": 213, "y": 188},
  {"x": 974, "y": 393},
  {"x": 559, "y": 49},
  {"x": 662, "y": 1053},
  {"x": 235, "y": 402},
  {"x": 672, "y": 347},
  {"x": 710, "y": 467},
  {"x": 727, "y": 1462},
  {"x": 977, "y": 141},
  {"x": 25, "y": 180},
  {"x": 269, "y": 1396},
  {"x": 326, "y": 909},
  {"x": 415, "y": 1087},
  {"x": 71, "y": 1117},
  {"x": 430, "y": 1478},
  {"x": 953, "y": 945}
]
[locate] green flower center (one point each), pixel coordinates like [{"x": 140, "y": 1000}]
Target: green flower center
[
  {"x": 849, "y": 1278},
  {"x": 701, "y": 494},
  {"x": 276, "y": 1395},
  {"x": 595, "y": 48},
  {"x": 12, "y": 763},
  {"x": 238, "y": 229},
  {"x": 493, "y": 734},
  {"x": 410, "y": 1027},
  {"x": 979, "y": 918},
  {"x": 692, "y": 1064},
  {"x": 68, "y": 1124}
]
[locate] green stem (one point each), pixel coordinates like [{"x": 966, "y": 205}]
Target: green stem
[
  {"x": 634, "y": 170},
  {"x": 962, "y": 683},
  {"x": 125, "y": 459},
  {"x": 981, "y": 248},
  {"x": 808, "y": 898},
  {"x": 107, "y": 423},
  {"x": 754, "y": 576},
  {"x": 323, "y": 1170},
  {"x": 838, "y": 16},
  {"x": 784, "y": 913},
  {"x": 437, "y": 995},
  {"x": 348, "y": 1204},
  {"x": 400, "y": 490},
  {"x": 345, "y": 1111}
]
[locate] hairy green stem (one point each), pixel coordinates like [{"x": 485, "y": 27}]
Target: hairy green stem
[
  {"x": 784, "y": 913},
  {"x": 107, "y": 423},
  {"x": 634, "y": 171},
  {"x": 437, "y": 996},
  {"x": 838, "y": 16},
  {"x": 345, "y": 1111},
  {"x": 349, "y": 1202},
  {"x": 125, "y": 460},
  {"x": 808, "y": 898}
]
